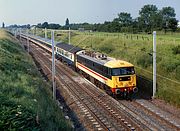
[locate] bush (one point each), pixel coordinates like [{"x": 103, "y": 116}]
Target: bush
[
  {"x": 144, "y": 60},
  {"x": 170, "y": 64},
  {"x": 16, "y": 116},
  {"x": 169, "y": 95},
  {"x": 106, "y": 49},
  {"x": 178, "y": 72},
  {"x": 176, "y": 50}
]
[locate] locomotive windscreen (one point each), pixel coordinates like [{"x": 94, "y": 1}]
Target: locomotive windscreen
[{"x": 123, "y": 71}]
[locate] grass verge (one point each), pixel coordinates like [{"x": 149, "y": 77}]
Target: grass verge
[{"x": 25, "y": 99}]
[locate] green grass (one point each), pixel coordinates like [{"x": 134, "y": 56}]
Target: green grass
[
  {"x": 23, "y": 93},
  {"x": 137, "y": 49}
]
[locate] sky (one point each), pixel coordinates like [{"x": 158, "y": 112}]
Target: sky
[{"x": 78, "y": 11}]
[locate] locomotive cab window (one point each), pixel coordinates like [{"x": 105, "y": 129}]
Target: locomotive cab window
[{"x": 123, "y": 71}]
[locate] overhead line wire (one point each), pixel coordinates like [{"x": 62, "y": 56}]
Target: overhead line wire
[{"x": 158, "y": 75}]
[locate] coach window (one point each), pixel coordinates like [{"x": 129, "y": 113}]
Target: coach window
[
  {"x": 66, "y": 53},
  {"x": 62, "y": 52},
  {"x": 71, "y": 56}
]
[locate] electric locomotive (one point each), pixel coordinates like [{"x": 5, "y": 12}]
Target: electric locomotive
[{"x": 117, "y": 77}]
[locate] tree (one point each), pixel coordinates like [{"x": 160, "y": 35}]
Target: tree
[
  {"x": 54, "y": 26},
  {"x": 167, "y": 15},
  {"x": 115, "y": 26},
  {"x": 3, "y": 25},
  {"x": 67, "y": 22},
  {"x": 167, "y": 12},
  {"x": 39, "y": 25},
  {"x": 172, "y": 24},
  {"x": 124, "y": 19},
  {"x": 150, "y": 18},
  {"x": 45, "y": 25},
  {"x": 148, "y": 15}
]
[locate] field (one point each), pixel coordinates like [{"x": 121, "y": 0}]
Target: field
[
  {"x": 137, "y": 49},
  {"x": 25, "y": 99}
]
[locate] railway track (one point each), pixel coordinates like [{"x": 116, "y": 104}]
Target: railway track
[
  {"x": 100, "y": 111},
  {"x": 174, "y": 119},
  {"x": 151, "y": 118}
]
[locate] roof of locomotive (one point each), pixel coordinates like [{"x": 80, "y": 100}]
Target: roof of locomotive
[
  {"x": 102, "y": 62},
  {"x": 118, "y": 63},
  {"x": 68, "y": 47},
  {"x": 108, "y": 62}
]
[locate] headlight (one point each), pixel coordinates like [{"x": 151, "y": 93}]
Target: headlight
[{"x": 135, "y": 89}]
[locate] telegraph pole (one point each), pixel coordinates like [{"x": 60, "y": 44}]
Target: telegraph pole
[
  {"x": 46, "y": 33},
  {"x": 15, "y": 33},
  {"x": 53, "y": 65},
  {"x": 27, "y": 32},
  {"x": 69, "y": 35},
  {"x": 33, "y": 31},
  {"x": 28, "y": 43},
  {"x": 20, "y": 34},
  {"x": 154, "y": 63}
]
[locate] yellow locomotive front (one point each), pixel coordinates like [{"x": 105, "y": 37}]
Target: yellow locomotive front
[{"x": 123, "y": 78}]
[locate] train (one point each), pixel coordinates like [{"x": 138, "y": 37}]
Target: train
[{"x": 116, "y": 77}]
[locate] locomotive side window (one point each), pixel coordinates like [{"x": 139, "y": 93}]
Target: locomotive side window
[{"x": 105, "y": 70}]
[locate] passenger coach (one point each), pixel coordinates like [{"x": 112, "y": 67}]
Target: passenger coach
[{"x": 67, "y": 53}]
